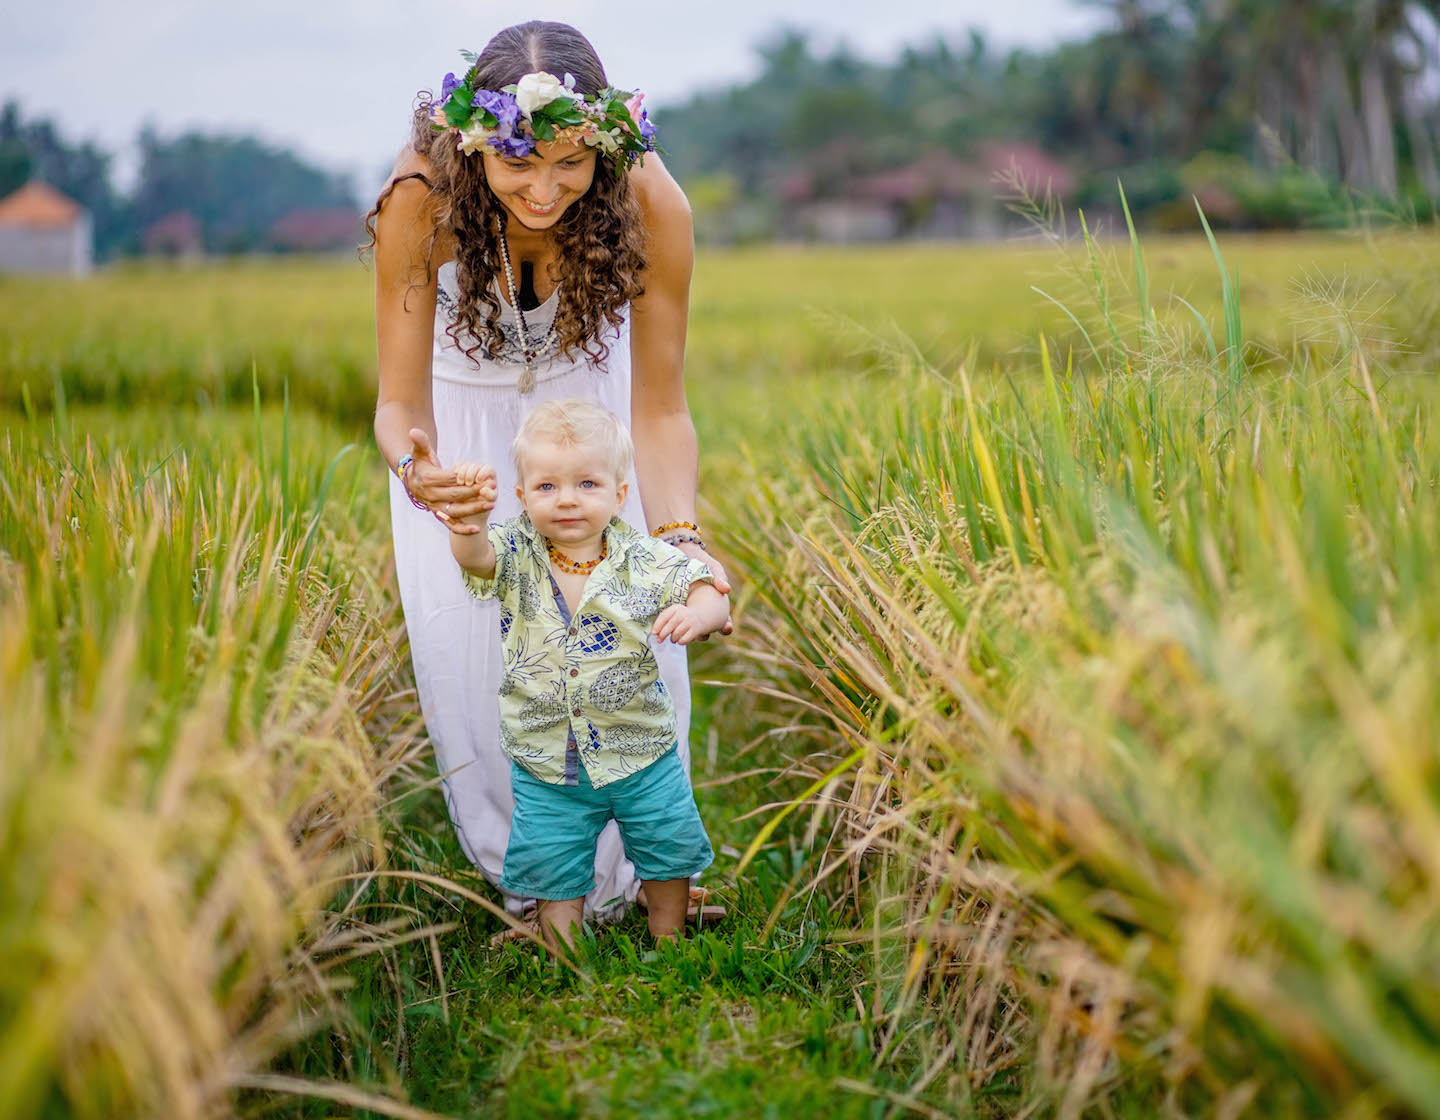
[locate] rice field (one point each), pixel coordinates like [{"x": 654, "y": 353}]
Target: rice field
[{"x": 1076, "y": 753}]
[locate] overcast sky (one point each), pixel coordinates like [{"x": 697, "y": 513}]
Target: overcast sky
[{"x": 335, "y": 80}]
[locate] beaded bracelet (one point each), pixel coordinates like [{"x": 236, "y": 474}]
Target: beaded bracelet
[
  {"x": 405, "y": 461},
  {"x": 674, "y": 525},
  {"x": 685, "y": 538}
]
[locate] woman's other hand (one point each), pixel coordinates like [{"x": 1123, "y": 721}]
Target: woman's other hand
[{"x": 717, "y": 572}]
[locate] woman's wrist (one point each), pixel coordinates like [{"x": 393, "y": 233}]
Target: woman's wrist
[
  {"x": 680, "y": 534},
  {"x": 403, "y": 470},
  {"x": 693, "y": 550}
]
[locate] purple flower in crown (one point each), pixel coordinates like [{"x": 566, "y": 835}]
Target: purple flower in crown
[
  {"x": 449, "y": 86},
  {"x": 647, "y": 130},
  {"x": 502, "y": 107},
  {"x": 513, "y": 146}
]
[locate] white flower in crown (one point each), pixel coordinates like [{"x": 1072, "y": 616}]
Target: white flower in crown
[
  {"x": 606, "y": 139},
  {"x": 474, "y": 135},
  {"x": 535, "y": 91}
]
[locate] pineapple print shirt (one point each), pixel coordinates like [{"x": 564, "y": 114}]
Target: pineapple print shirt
[{"x": 591, "y": 678}]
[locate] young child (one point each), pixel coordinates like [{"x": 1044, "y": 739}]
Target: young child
[{"x": 584, "y": 717}]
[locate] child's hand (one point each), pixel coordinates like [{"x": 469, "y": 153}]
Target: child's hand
[
  {"x": 681, "y": 624},
  {"x": 471, "y": 517}
]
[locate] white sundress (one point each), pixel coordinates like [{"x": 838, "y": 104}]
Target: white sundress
[{"x": 455, "y": 639}]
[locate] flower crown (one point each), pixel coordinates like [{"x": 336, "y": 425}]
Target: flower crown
[{"x": 539, "y": 107}]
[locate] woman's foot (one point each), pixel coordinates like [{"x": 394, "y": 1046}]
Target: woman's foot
[{"x": 527, "y": 930}]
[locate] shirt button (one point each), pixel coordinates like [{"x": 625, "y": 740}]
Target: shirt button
[
  {"x": 574, "y": 672},
  {"x": 573, "y": 631},
  {"x": 576, "y": 712}
]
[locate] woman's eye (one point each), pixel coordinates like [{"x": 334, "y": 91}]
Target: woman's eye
[
  {"x": 570, "y": 163},
  {"x": 518, "y": 166}
]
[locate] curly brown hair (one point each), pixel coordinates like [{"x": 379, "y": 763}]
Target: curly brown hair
[{"x": 600, "y": 240}]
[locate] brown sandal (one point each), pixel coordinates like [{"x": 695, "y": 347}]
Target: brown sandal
[{"x": 528, "y": 928}]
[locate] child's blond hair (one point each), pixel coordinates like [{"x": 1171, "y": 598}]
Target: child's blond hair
[{"x": 575, "y": 422}]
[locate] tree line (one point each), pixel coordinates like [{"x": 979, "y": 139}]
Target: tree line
[
  {"x": 1293, "y": 109},
  {"x": 1295, "y": 106},
  {"x": 235, "y": 187}
]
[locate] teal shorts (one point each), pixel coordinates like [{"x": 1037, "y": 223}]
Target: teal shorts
[{"x": 551, "y": 854}]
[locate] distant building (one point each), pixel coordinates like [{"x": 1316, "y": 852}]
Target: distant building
[
  {"x": 41, "y": 230},
  {"x": 317, "y": 231},
  {"x": 178, "y": 234},
  {"x": 935, "y": 197}
]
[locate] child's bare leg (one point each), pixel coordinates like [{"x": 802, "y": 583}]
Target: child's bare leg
[
  {"x": 558, "y": 920},
  {"x": 667, "y": 900}
]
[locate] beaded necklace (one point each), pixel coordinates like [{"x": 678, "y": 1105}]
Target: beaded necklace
[
  {"x": 576, "y": 567},
  {"x": 526, "y": 384}
]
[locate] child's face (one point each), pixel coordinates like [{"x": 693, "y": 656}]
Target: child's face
[{"x": 570, "y": 492}]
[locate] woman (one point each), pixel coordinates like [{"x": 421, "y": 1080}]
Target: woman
[{"x": 526, "y": 248}]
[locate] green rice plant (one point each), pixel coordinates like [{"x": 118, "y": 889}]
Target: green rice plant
[
  {"x": 147, "y": 335},
  {"x": 1124, "y": 719},
  {"x": 197, "y": 718}
]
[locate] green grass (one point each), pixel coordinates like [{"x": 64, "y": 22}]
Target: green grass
[
  {"x": 1123, "y": 671},
  {"x": 1003, "y": 608},
  {"x": 754, "y": 1018}
]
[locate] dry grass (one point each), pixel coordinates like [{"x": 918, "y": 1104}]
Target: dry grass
[
  {"x": 192, "y": 693},
  {"x": 1114, "y": 695}
]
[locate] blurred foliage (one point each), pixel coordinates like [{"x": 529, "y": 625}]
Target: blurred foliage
[
  {"x": 33, "y": 150},
  {"x": 1276, "y": 113},
  {"x": 1302, "y": 112},
  {"x": 236, "y": 187}
]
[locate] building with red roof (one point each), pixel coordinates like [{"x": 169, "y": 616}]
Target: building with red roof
[
  {"x": 935, "y": 196},
  {"x": 41, "y": 230}
]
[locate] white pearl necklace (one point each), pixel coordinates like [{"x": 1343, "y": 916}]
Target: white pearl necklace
[{"x": 526, "y": 384}]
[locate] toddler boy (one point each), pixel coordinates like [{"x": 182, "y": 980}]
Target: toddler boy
[{"x": 585, "y": 719}]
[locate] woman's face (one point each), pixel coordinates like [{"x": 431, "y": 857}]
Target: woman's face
[{"x": 540, "y": 187}]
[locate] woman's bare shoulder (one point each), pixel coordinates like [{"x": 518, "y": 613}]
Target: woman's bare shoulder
[
  {"x": 661, "y": 198},
  {"x": 409, "y": 212},
  {"x": 666, "y": 211},
  {"x": 409, "y": 162}
]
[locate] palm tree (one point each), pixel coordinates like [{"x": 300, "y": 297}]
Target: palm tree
[{"x": 1322, "y": 79}]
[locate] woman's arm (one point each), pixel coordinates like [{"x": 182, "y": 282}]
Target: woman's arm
[
  {"x": 404, "y": 326},
  {"x": 666, "y": 452}
]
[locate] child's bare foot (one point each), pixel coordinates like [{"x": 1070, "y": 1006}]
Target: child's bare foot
[
  {"x": 699, "y": 910},
  {"x": 666, "y": 901},
  {"x": 559, "y": 919}
]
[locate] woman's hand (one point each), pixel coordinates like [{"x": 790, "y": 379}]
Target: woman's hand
[
  {"x": 437, "y": 489},
  {"x": 717, "y": 571}
]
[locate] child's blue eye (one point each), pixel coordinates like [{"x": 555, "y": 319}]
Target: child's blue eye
[
  {"x": 587, "y": 482},
  {"x": 546, "y": 486}
]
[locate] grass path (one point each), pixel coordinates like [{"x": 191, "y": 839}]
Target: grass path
[{"x": 734, "y": 1021}]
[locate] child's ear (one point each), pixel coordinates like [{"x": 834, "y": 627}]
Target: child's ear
[
  {"x": 621, "y": 491},
  {"x": 520, "y": 493}
]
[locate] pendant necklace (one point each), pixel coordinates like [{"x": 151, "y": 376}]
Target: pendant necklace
[
  {"x": 576, "y": 567},
  {"x": 526, "y": 384}
]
